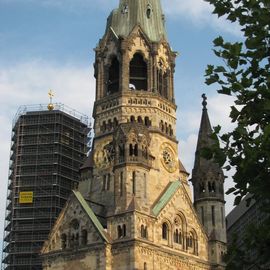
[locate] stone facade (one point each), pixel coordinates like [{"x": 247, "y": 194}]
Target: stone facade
[{"x": 133, "y": 209}]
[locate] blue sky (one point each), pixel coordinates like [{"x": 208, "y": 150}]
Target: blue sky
[{"x": 48, "y": 44}]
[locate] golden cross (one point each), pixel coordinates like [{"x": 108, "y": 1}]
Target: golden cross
[{"x": 51, "y": 95}]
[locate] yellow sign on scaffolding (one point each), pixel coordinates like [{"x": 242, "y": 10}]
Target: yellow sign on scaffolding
[{"x": 26, "y": 197}]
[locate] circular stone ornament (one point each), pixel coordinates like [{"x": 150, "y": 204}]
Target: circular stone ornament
[{"x": 168, "y": 158}]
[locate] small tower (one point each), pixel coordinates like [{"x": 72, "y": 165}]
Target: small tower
[{"x": 208, "y": 183}]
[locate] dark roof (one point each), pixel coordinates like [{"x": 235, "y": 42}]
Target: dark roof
[
  {"x": 239, "y": 211},
  {"x": 205, "y": 140}
]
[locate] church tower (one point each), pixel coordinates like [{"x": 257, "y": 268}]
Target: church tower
[
  {"x": 134, "y": 112},
  {"x": 133, "y": 209},
  {"x": 208, "y": 182}
]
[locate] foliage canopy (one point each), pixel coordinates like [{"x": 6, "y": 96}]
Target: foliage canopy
[{"x": 245, "y": 75}]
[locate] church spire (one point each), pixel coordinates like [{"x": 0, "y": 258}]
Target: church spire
[
  {"x": 146, "y": 13},
  {"x": 204, "y": 139},
  {"x": 204, "y": 168},
  {"x": 208, "y": 182}
]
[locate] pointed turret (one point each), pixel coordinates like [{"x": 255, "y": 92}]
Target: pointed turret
[
  {"x": 146, "y": 13},
  {"x": 208, "y": 183},
  {"x": 206, "y": 170}
]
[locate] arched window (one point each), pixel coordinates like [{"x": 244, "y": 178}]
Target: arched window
[
  {"x": 144, "y": 231},
  {"x": 213, "y": 187},
  {"x": 147, "y": 121},
  {"x": 192, "y": 242},
  {"x": 136, "y": 152},
  {"x": 140, "y": 120},
  {"x": 145, "y": 266},
  {"x": 178, "y": 236},
  {"x": 119, "y": 231},
  {"x": 124, "y": 230},
  {"x": 166, "y": 128},
  {"x": 113, "y": 80},
  {"x": 162, "y": 77},
  {"x": 202, "y": 187},
  {"x": 179, "y": 226},
  {"x": 131, "y": 151},
  {"x": 165, "y": 231},
  {"x": 138, "y": 72},
  {"x": 162, "y": 126},
  {"x": 132, "y": 118},
  {"x": 170, "y": 130},
  {"x": 115, "y": 123}
]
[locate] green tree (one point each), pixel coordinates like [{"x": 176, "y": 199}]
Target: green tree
[{"x": 245, "y": 75}]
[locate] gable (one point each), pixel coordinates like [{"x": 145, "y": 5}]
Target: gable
[
  {"x": 177, "y": 222},
  {"x": 76, "y": 226},
  {"x": 175, "y": 201}
]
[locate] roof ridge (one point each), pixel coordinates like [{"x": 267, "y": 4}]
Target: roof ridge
[
  {"x": 91, "y": 215},
  {"x": 166, "y": 196}
]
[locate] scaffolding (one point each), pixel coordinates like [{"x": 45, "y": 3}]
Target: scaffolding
[{"x": 47, "y": 150}]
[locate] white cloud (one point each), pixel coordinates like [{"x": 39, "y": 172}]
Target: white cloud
[
  {"x": 200, "y": 13},
  {"x": 29, "y": 83}
]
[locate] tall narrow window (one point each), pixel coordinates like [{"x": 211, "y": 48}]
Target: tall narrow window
[
  {"x": 202, "y": 215},
  {"x": 119, "y": 231},
  {"x": 145, "y": 266},
  {"x": 124, "y": 230},
  {"x": 121, "y": 183},
  {"x": 213, "y": 216},
  {"x": 147, "y": 121},
  {"x": 138, "y": 72},
  {"x": 121, "y": 153},
  {"x": 131, "y": 152},
  {"x": 145, "y": 186},
  {"x": 176, "y": 236},
  {"x": 113, "y": 80},
  {"x": 132, "y": 118},
  {"x": 165, "y": 231},
  {"x": 133, "y": 183},
  {"x": 140, "y": 120},
  {"x": 144, "y": 231},
  {"x": 136, "y": 152}
]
